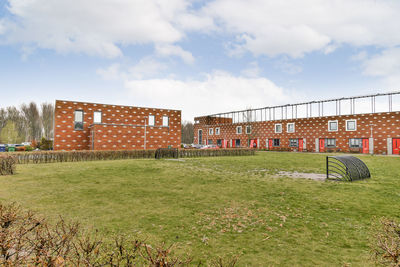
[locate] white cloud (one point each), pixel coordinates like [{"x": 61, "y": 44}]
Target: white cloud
[
  {"x": 174, "y": 50},
  {"x": 252, "y": 71},
  {"x": 385, "y": 65},
  {"x": 95, "y": 27},
  {"x": 113, "y": 72},
  {"x": 145, "y": 68},
  {"x": 217, "y": 92},
  {"x": 286, "y": 66},
  {"x": 295, "y": 27}
]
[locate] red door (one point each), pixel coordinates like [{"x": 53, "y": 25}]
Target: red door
[
  {"x": 233, "y": 142},
  {"x": 301, "y": 144},
  {"x": 322, "y": 145},
  {"x": 254, "y": 143},
  {"x": 365, "y": 144},
  {"x": 270, "y": 144},
  {"x": 396, "y": 146}
]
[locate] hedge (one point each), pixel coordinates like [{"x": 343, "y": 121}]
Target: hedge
[
  {"x": 86, "y": 155},
  {"x": 7, "y": 165}
]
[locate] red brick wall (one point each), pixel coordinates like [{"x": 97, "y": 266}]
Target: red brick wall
[
  {"x": 385, "y": 125},
  {"x": 121, "y": 128}
]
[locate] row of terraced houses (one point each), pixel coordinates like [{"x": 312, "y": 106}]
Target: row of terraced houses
[{"x": 90, "y": 126}]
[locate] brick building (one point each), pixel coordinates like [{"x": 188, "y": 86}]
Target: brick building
[
  {"x": 373, "y": 132},
  {"x": 90, "y": 126}
]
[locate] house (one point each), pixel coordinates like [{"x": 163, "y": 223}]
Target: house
[
  {"x": 284, "y": 128},
  {"x": 92, "y": 126}
]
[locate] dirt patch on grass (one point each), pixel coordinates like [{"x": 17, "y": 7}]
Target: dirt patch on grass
[{"x": 313, "y": 176}]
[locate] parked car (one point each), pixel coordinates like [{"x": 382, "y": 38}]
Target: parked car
[
  {"x": 2, "y": 148},
  {"x": 197, "y": 146},
  {"x": 210, "y": 147}
]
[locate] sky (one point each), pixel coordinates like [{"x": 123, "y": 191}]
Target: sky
[{"x": 201, "y": 57}]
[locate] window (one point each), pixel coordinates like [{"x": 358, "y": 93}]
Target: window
[
  {"x": 351, "y": 125},
  {"x": 332, "y": 126},
  {"x": 278, "y": 128},
  {"x": 237, "y": 143},
  {"x": 276, "y": 142},
  {"x": 217, "y": 131},
  {"x": 210, "y": 131},
  {"x": 248, "y": 129},
  {"x": 294, "y": 142},
  {"x": 355, "y": 142},
  {"x": 238, "y": 129},
  {"x": 290, "y": 127},
  {"x": 151, "y": 120},
  {"x": 210, "y": 142},
  {"x": 97, "y": 117},
  {"x": 78, "y": 117},
  {"x": 330, "y": 142},
  {"x": 165, "y": 121},
  {"x": 219, "y": 141}
]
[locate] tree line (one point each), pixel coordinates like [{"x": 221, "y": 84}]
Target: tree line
[{"x": 30, "y": 122}]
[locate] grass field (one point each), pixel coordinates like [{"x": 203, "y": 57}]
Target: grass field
[{"x": 220, "y": 206}]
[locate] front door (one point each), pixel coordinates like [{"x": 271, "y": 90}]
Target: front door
[
  {"x": 270, "y": 143},
  {"x": 396, "y": 146},
  {"x": 322, "y": 145},
  {"x": 365, "y": 146},
  {"x": 301, "y": 144},
  {"x": 200, "y": 137}
]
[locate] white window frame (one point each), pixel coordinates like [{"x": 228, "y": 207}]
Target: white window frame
[
  {"x": 248, "y": 127},
  {"x": 337, "y": 126},
  {"x": 153, "y": 121},
  {"x": 94, "y": 117},
  {"x": 165, "y": 119},
  {"x": 217, "y": 131},
  {"x": 237, "y": 129},
  {"x": 287, "y": 127},
  {"x": 355, "y": 124},
  {"x": 280, "y": 124},
  {"x": 210, "y": 131}
]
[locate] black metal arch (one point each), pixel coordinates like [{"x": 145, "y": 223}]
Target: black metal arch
[{"x": 346, "y": 168}]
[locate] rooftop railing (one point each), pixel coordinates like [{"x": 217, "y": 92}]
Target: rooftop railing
[{"x": 376, "y": 103}]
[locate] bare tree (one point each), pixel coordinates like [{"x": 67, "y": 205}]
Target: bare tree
[
  {"x": 187, "y": 132},
  {"x": 32, "y": 120},
  {"x": 14, "y": 115},
  {"x": 3, "y": 118},
  {"x": 47, "y": 119}
]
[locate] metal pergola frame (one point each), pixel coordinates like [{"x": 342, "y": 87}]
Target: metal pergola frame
[{"x": 272, "y": 113}]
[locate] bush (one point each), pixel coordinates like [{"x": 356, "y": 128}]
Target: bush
[
  {"x": 28, "y": 148},
  {"x": 7, "y": 165},
  {"x": 26, "y": 240},
  {"x": 45, "y": 144},
  {"x": 386, "y": 242}
]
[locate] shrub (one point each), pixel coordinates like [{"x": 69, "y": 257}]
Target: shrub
[
  {"x": 28, "y": 148},
  {"x": 27, "y": 240},
  {"x": 45, "y": 144},
  {"x": 7, "y": 165},
  {"x": 386, "y": 242}
]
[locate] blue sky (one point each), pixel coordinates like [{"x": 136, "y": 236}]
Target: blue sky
[{"x": 198, "y": 56}]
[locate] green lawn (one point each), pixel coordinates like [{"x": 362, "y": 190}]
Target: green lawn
[{"x": 220, "y": 206}]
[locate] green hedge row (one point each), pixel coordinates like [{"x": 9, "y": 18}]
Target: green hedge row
[{"x": 74, "y": 156}]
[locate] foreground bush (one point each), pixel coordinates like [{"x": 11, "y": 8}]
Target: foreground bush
[
  {"x": 386, "y": 243},
  {"x": 7, "y": 165},
  {"x": 26, "y": 239}
]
